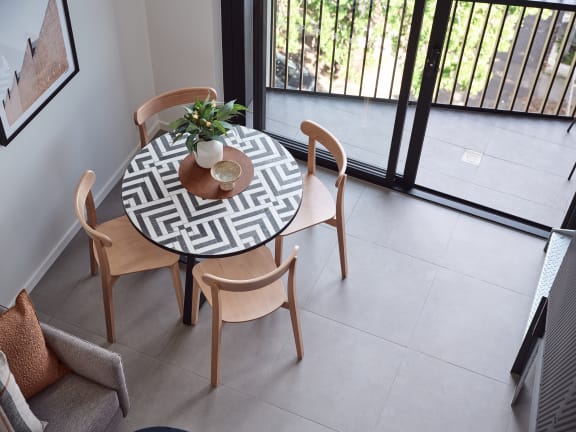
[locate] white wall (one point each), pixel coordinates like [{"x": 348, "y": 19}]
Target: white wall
[
  {"x": 128, "y": 51},
  {"x": 185, "y": 44},
  {"x": 87, "y": 125},
  {"x": 134, "y": 44}
]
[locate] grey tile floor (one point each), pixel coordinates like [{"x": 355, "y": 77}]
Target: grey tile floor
[
  {"x": 524, "y": 162},
  {"x": 419, "y": 337}
]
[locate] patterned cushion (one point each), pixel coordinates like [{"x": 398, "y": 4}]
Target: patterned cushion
[
  {"x": 33, "y": 364},
  {"x": 13, "y": 404}
]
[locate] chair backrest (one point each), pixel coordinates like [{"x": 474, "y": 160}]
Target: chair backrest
[
  {"x": 86, "y": 213},
  {"x": 317, "y": 133},
  {"x": 218, "y": 284},
  {"x": 169, "y": 99},
  {"x": 288, "y": 265}
]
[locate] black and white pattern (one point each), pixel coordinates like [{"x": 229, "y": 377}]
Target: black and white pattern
[{"x": 166, "y": 213}]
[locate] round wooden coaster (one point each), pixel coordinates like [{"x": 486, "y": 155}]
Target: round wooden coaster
[{"x": 198, "y": 181}]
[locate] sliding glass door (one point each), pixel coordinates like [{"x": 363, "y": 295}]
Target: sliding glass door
[
  {"x": 345, "y": 65},
  {"x": 394, "y": 79},
  {"x": 496, "y": 134}
]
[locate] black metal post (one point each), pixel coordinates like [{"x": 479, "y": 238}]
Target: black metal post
[
  {"x": 439, "y": 27},
  {"x": 404, "y": 95}
]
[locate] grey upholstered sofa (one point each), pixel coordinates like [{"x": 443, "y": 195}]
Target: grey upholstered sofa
[{"x": 92, "y": 398}]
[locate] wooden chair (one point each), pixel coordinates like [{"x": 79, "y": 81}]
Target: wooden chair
[
  {"x": 317, "y": 203},
  {"x": 169, "y": 99},
  {"x": 118, "y": 249},
  {"x": 243, "y": 288}
]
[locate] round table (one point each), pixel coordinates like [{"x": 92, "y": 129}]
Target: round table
[{"x": 163, "y": 211}]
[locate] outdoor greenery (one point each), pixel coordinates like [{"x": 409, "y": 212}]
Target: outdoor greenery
[{"x": 349, "y": 36}]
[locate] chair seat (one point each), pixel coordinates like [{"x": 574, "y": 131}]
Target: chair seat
[
  {"x": 317, "y": 206},
  {"x": 245, "y": 305},
  {"x": 130, "y": 251}
]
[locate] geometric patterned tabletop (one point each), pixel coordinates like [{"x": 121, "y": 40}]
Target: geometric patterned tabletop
[{"x": 167, "y": 214}]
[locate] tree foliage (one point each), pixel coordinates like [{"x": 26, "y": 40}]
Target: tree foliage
[{"x": 366, "y": 40}]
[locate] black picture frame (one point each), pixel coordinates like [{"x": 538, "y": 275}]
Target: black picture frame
[{"x": 39, "y": 67}]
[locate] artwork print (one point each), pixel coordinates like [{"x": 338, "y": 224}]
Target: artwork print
[{"x": 37, "y": 59}]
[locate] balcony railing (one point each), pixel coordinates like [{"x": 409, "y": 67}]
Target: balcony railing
[{"x": 495, "y": 56}]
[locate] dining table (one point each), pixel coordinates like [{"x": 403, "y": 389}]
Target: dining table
[{"x": 172, "y": 202}]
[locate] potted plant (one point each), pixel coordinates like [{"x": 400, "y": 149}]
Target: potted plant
[{"x": 202, "y": 124}]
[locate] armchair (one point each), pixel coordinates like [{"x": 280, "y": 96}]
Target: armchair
[{"x": 93, "y": 397}]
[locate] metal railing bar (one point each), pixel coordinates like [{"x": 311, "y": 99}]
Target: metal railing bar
[
  {"x": 520, "y": 72},
  {"x": 509, "y": 59},
  {"x": 286, "y": 56},
  {"x": 557, "y": 63},
  {"x": 538, "y": 74},
  {"x": 350, "y": 47},
  {"x": 274, "y": 20},
  {"x": 478, "y": 52},
  {"x": 302, "y": 37},
  {"x": 525, "y": 59},
  {"x": 573, "y": 112},
  {"x": 318, "y": 36},
  {"x": 569, "y": 79},
  {"x": 494, "y": 53},
  {"x": 334, "y": 44},
  {"x": 446, "y": 48},
  {"x": 463, "y": 44},
  {"x": 366, "y": 47},
  {"x": 545, "y": 4},
  {"x": 567, "y": 83},
  {"x": 381, "y": 48},
  {"x": 397, "y": 48}
]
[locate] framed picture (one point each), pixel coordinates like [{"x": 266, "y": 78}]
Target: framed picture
[{"x": 37, "y": 59}]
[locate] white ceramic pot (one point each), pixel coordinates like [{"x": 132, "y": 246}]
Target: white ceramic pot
[{"x": 209, "y": 152}]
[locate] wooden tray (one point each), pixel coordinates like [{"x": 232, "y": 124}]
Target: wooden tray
[{"x": 198, "y": 181}]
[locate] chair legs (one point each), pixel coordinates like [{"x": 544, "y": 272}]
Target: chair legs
[
  {"x": 107, "y": 284},
  {"x": 342, "y": 248},
  {"x": 296, "y": 328},
  {"x": 339, "y": 225},
  {"x": 177, "y": 282},
  {"x": 195, "y": 302},
  {"x": 108, "y": 309},
  {"x": 93, "y": 262},
  {"x": 216, "y": 342}
]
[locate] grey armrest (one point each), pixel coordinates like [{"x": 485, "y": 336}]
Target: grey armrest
[{"x": 89, "y": 360}]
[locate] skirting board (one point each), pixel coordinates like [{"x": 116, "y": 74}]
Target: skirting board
[{"x": 99, "y": 196}]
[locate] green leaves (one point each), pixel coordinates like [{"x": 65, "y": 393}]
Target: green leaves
[{"x": 204, "y": 121}]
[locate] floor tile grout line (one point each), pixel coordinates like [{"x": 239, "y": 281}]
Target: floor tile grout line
[
  {"x": 388, "y": 394},
  {"x": 382, "y": 338},
  {"x": 106, "y": 345},
  {"x": 514, "y": 195},
  {"x": 440, "y": 265},
  {"x": 319, "y": 273},
  {"x": 440, "y": 359},
  {"x": 353, "y": 208},
  {"x": 420, "y": 313},
  {"x": 266, "y": 402}
]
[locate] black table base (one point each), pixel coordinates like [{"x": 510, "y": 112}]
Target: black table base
[{"x": 190, "y": 263}]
